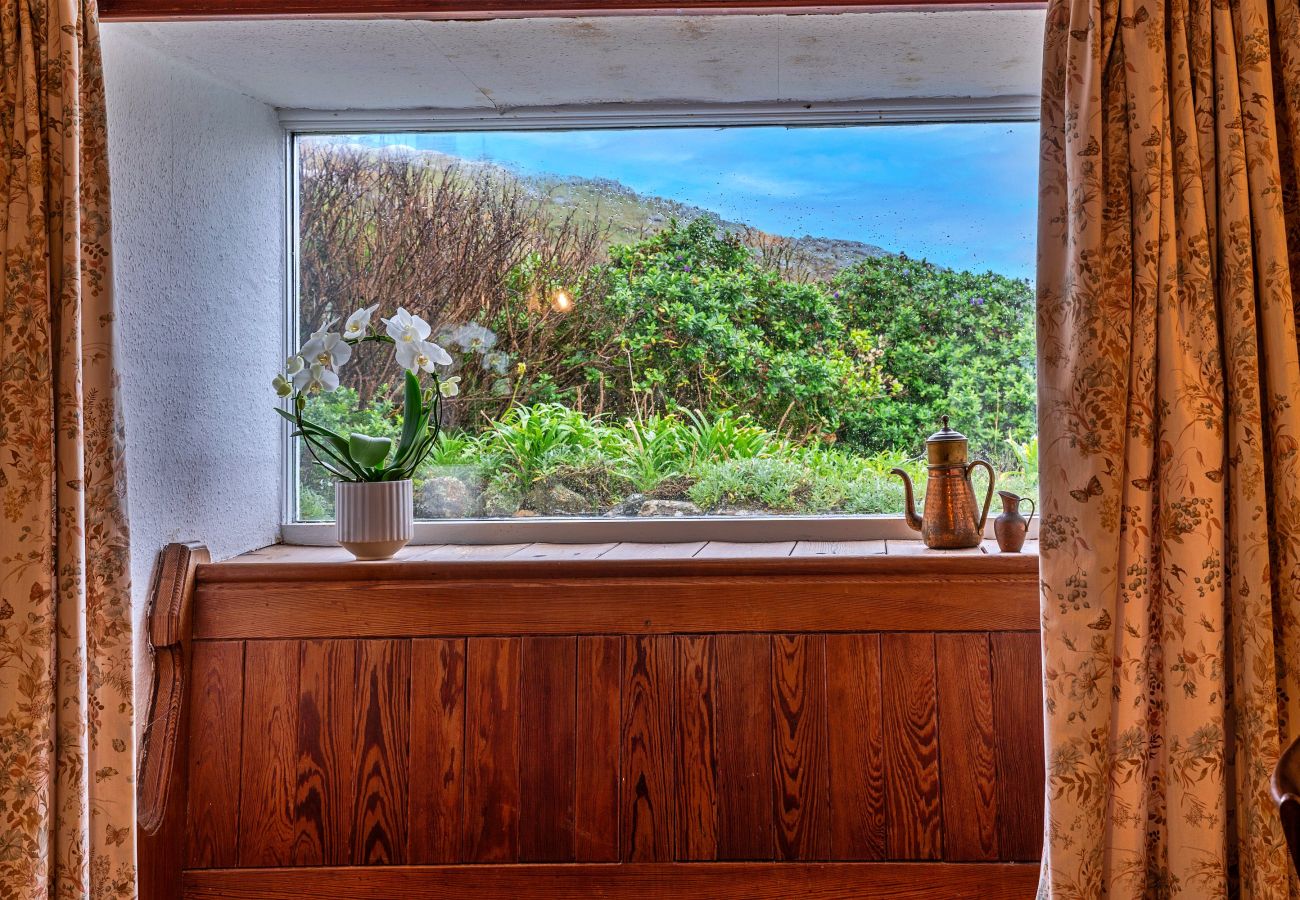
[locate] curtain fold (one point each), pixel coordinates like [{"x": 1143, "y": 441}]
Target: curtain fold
[
  {"x": 1169, "y": 403},
  {"x": 66, "y": 770}
]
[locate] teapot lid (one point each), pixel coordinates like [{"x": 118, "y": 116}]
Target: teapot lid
[{"x": 945, "y": 434}]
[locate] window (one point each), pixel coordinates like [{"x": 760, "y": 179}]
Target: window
[{"x": 682, "y": 322}]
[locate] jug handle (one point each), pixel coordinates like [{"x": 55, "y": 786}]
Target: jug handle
[
  {"x": 1033, "y": 508},
  {"x": 988, "y": 496}
]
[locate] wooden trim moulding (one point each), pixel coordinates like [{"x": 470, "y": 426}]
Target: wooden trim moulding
[
  {"x": 161, "y": 800},
  {"x": 305, "y": 610},
  {"x": 1016, "y": 566},
  {"x": 680, "y": 881},
  {"x": 167, "y": 10}
]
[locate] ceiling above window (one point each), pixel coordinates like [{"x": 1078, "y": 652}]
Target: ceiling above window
[{"x": 512, "y": 64}]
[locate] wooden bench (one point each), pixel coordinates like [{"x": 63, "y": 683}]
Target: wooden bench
[{"x": 445, "y": 726}]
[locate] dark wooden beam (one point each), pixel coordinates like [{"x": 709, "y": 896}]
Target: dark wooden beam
[{"x": 158, "y": 10}]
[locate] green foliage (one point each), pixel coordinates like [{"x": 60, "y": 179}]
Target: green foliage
[
  {"x": 953, "y": 343},
  {"x": 706, "y": 326},
  {"x": 687, "y": 366},
  {"x": 722, "y": 462}
]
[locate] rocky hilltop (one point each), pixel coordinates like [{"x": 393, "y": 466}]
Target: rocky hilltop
[{"x": 629, "y": 215}]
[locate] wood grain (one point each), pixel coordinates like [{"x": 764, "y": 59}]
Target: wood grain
[
  {"x": 491, "y": 830},
  {"x": 912, "y": 817},
  {"x": 680, "y": 881},
  {"x": 648, "y": 815},
  {"x": 697, "y": 776},
  {"x": 381, "y": 749},
  {"x": 641, "y": 550},
  {"x": 215, "y": 736},
  {"x": 436, "y": 787},
  {"x": 548, "y": 753},
  {"x": 323, "y": 798},
  {"x": 745, "y": 550},
  {"x": 743, "y": 738},
  {"x": 268, "y": 765},
  {"x": 562, "y": 551},
  {"x": 838, "y": 548},
  {"x": 163, "y": 776},
  {"x": 800, "y": 768},
  {"x": 632, "y": 605},
  {"x": 600, "y": 697},
  {"x": 1018, "y": 744},
  {"x": 855, "y": 746},
  {"x": 966, "y": 765}
]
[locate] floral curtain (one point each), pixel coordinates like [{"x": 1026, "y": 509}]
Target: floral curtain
[
  {"x": 1169, "y": 385},
  {"x": 66, "y": 784}
]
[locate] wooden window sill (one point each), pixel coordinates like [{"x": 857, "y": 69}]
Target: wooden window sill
[{"x": 285, "y": 562}]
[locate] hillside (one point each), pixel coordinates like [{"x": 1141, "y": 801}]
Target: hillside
[{"x": 629, "y": 215}]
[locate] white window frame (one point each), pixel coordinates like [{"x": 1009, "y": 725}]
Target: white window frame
[{"x": 597, "y": 529}]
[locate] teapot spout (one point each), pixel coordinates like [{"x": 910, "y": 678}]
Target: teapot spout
[{"x": 909, "y": 503}]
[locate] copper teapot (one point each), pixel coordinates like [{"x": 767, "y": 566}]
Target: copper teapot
[{"x": 953, "y": 519}]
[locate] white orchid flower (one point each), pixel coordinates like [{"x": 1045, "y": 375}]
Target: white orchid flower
[
  {"x": 450, "y": 387},
  {"x": 405, "y": 328},
  {"x": 316, "y": 378},
  {"x": 293, "y": 365},
  {"x": 358, "y": 324},
  {"x": 328, "y": 349},
  {"x": 283, "y": 386},
  {"x": 421, "y": 355},
  {"x": 474, "y": 338}
]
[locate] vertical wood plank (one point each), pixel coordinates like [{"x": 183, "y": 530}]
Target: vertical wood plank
[
  {"x": 600, "y": 693},
  {"x": 697, "y": 788},
  {"x": 912, "y": 816},
  {"x": 323, "y": 800},
  {"x": 966, "y": 766},
  {"x": 1018, "y": 742},
  {"x": 855, "y": 746},
  {"x": 491, "y": 817},
  {"x": 437, "y": 751},
  {"x": 215, "y": 730},
  {"x": 268, "y": 763},
  {"x": 648, "y": 773},
  {"x": 381, "y": 750},
  {"x": 799, "y": 763},
  {"x": 548, "y": 764},
  {"x": 743, "y": 739}
]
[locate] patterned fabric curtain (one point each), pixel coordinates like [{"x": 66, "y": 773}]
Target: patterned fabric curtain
[
  {"x": 1170, "y": 410},
  {"x": 66, "y": 784}
]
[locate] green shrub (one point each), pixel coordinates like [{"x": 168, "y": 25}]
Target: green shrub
[
  {"x": 707, "y": 326},
  {"x": 953, "y": 343}
]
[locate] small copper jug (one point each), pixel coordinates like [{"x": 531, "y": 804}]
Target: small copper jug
[
  {"x": 1011, "y": 527},
  {"x": 953, "y": 519}
]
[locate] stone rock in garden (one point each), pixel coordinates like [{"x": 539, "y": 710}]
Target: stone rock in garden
[
  {"x": 446, "y": 497},
  {"x": 673, "y": 508},
  {"x": 523, "y": 514},
  {"x": 629, "y": 507},
  {"x": 558, "y": 500}
]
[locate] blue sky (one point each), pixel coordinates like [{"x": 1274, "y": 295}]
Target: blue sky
[{"x": 962, "y": 195}]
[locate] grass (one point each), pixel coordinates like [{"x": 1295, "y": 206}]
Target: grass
[{"x": 547, "y": 458}]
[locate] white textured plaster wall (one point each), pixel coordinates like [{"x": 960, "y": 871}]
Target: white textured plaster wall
[{"x": 197, "y": 173}]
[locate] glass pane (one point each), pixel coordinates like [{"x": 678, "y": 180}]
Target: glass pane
[{"x": 686, "y": 321}]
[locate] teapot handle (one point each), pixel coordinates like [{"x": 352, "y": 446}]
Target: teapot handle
[{"x": 988, "y": 496}]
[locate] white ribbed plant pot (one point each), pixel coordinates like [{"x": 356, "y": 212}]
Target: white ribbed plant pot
[{"x": 375, "y": 519}]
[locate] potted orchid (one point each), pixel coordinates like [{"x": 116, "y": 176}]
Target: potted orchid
[{"x": 374, "y": 503}]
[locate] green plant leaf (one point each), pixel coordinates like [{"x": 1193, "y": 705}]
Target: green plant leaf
[
  {"x": 412, "y": 412},
  {"x": 369, "y": 452}
]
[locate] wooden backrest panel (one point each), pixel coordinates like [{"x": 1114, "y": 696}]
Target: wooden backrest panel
[
  {"x": 640, "y": 748},
  {"x": 523, "y": 721}
]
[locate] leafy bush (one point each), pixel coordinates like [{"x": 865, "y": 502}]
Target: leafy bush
[
  {"x": 953, "y": 343},
  {"x": 707, "y": 326}
]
